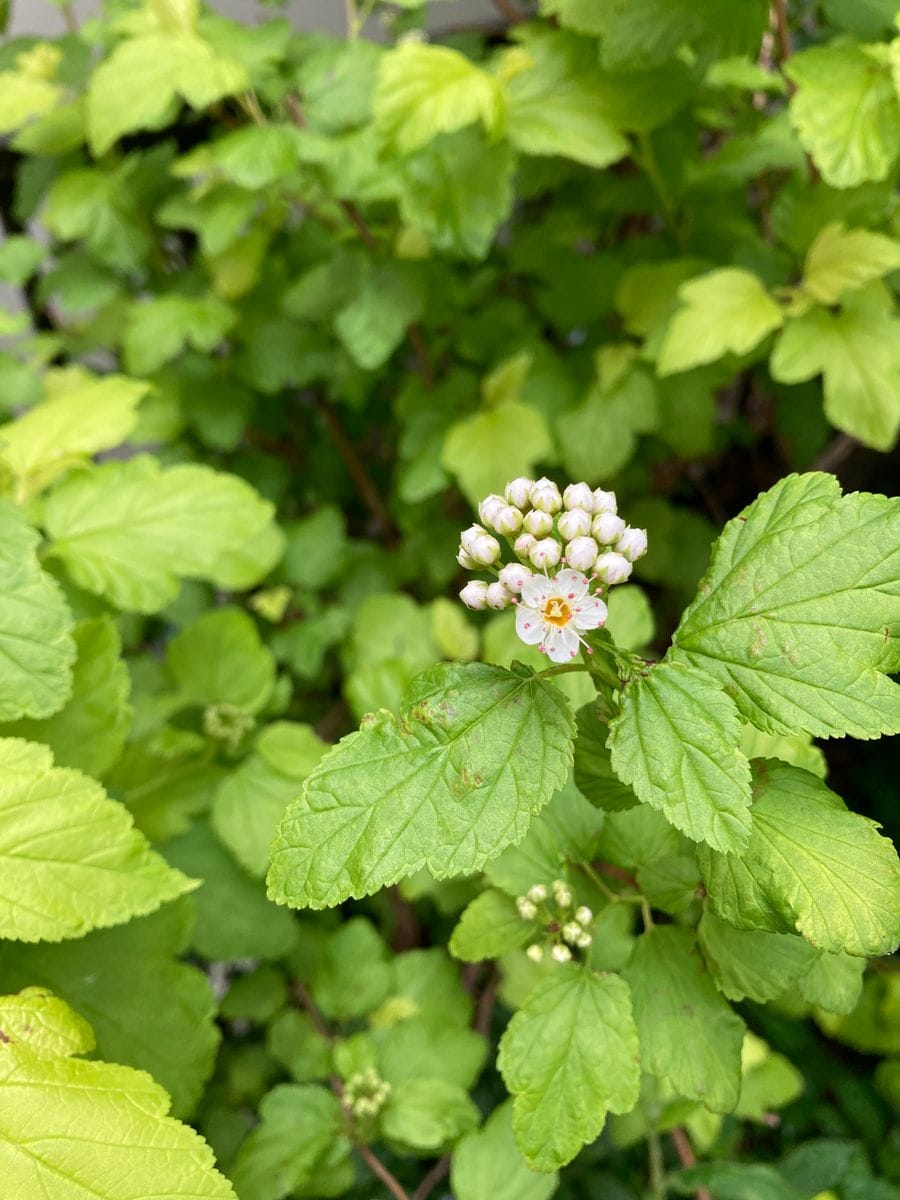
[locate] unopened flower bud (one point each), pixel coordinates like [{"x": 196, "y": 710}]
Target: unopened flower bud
[
  {"x": 605, "y": 502},
  {"x": 578, "y": 495},
  {"x": 480, "y": 546},
  {"x": 545, "y": 495},
  {"x": 508, "y": 520},
  {"x": 581, "y": 553},
  {"x": 523, "y": 544},
  {"x": 537, "y": 522},
  {"x": 632, "y": 544},
  {"x": 537, "y": 892},
  {"x": 572, "y": 931},
  {"x": 535, "y": 952},
  {"x": 499, "y": 596},
  {"x": 475, "y": 594},
  {"x": 464, "y": 560},
  {"x": 607, "y": 528},
  {"x": 489, "y": 507},
  {"x": 575, "y": 523},
  {"x": 584, "y": 940},
  {"x": 583, "y": 915},
  {"x": 546, "y": 553},
  {"x": 527, "y": 908},
  {"x": 612, "y": 568},
  {"x": 561, "y": 893},
  {"x": 514, "y": 576},
  {"x": 562, "y": 954},
  {"x": 518, "y": 492}
]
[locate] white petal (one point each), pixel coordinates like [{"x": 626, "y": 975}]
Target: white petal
[
  {"x": 529, "y": 625},
  {"x": 590, "y": 613},
  {"x": 536, "y": 590},
  {"x": 571, "y": 584},
  {"x": 561, "y": 645}
]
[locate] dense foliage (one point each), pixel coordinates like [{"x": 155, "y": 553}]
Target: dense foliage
[{"x": 294, "y": 306}]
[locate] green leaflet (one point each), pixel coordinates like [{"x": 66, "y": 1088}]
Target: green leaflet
[
  {"x": 489, "y": 447},
  {"x": 594, "y": 776},
  {"x": 841, "y": 259},
  {"x": 752, "y": 963},
  {"x": 489, "y": 927},
  {"x": 36, "y": 646},
  {"x": 452, "y": 782},
  {"x": 71, "y": 857},
  {"x": 158, "y": 330},
  {"x": 44, "y": 1024},
  {"x": 676, "y": 741},
  {"x": 689, "y": 1036},
  {"x": 187, "y": 520},
  {"x": 70, "y": 1128},
  {"x": 569, "y": 1056},
  {"x": 793, "y": 616},
  {"x": 220, "y": 659},
  {"x": 489, "y": 1163},
  {"x": 427, "y": 1114}
]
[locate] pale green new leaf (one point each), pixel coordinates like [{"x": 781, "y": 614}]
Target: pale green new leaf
[
  {"x": 752, "y": 963},
  {"x": 488, "y": 1163},
  {"x": 36, "y": 646},
  {"x": 158, "y": 329},
  {"x": 45, "y": 1024},
  {"x": 845, "y": 112},
  {"x": 220, "y": 659},
  {"x": 71, "y": 1129},
  {"x": 725, "y": 311},
  {"x": 486, "y": 450},
  {"x": 81, "y": 416},
  {"x": 424, "y": 90},
  {"x": 676, "y": 741},
  {"x": 476, "y": 752},
  {"x": 89, "y": 731},
  {"x": 490, "y": 926},
  {"x": 858, "y": 351},
  {"x": 794, "y": 615},
  {"x": 690, "y": 1037},
  {"x": 71, "y": 858},
  {"x": 427, "y": 1114},
  {"x": 569, "y": 1056},
  {"x": 842, "y": 259},
  {"x": 184, "y": 519},
  {"x": 555, "y": 103}
]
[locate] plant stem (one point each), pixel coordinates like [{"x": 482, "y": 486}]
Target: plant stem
[
  {"x": 68, "y": 14},
  {"x": 647, "y": 161},
  {"x": 657, "y": 1165},
  {"x": 565, "y": 669},
  {"x": 356, "y": 469},
  {"x": 647, "y": 913},
  {"x": 510, "y": 10},
  {"x": 430, "y": 1181},
  {"x": 782, "y": 28},
  {"x": 603, "y": 886},
  {"x": 686, "y": 1157}
]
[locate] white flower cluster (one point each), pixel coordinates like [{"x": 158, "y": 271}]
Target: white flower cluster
[
  {"x": 566, "y": 928},
  {"x": 365, "y": 1093},
  {"x": 578, "y": 528}
]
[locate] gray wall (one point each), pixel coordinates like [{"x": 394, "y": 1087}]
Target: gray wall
[{"x": 42, "y": 17}]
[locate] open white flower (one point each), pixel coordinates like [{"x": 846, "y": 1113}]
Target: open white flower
[{"x": 553, "y": 613}]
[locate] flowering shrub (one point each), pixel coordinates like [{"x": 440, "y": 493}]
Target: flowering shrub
[{"x": 343, "y": 854}]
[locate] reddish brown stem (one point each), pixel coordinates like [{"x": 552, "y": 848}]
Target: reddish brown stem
[
  {"x": 782, "y": 29},
  {"x": 430, "y": 1181},
  {"x": 615, "y": 872},
  {"x": 686, "y": 1157},
  {"x": 356, "y": 468},
  {"x": 510, "y": 10}
]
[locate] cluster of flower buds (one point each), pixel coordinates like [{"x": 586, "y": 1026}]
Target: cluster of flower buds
[
  {"x": 365, "y": 1093},
  {"x": 553, "y": 908},
  {"x": 227, "y": 723},
  {"x": 578, "y": 529}
]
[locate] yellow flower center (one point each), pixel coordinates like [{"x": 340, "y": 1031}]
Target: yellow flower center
[{"x": 557, "y": 612}]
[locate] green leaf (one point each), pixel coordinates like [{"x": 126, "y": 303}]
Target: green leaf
[
  {"x": 293, "y": 1040},
  {"x": 374, "y": 323},
  {"x": 137, "y": 85},
  {"x": 594, "y": 775},
  {"x": 158, "y": 330},
  {"x": 569, "y": 1056},
  {"x": 185, "y": 519},
  {"x": 676, "y": 742},
  {"x": 737, "y": 1181},
  {"x": 424, "y": 90},
  {"x": 220, "y": 659},
  {"x": 45, "y": 1024},
  {"x": 858, "y": 351},
  {"x": 72, "y": 860},
  {"x": 458, "y": 191},
  {"x": 452, "y": 782},
  {"x": 74, "y": 1128},
  {"x": 646, "y": 32},
  {"x": 752, "y": 962},
  {"x": 489, "y": 927},
  {"x": 793, "y": 615},
  {"x": 630, "y": 620},
  {"x": 769, "y": 1081},
  {"x": 495, "y": 445},
  {"x": 424, "y": 1048},
  {"x": 689, "y": 1036},
  {"x": 427, "y": 1114},
  {"x": 80, "y": 417},
  {"x": 489, "y": 1163},
  {"x": 555, "y": 105},
  {"x": 845, "y": 112},
  {"x": 353, "y": 975},
  {"x": 89, "y": 731},
  {"x": 20, "y": 257},
  {"x": 671, "y": 883},
  {"x": 833, "y": 981},
  {"x": 826, "y": 870},
  {"x": 637, "y": 836},
  {"x": 298, "y": 1126},
  {"x": 795, "y": 748},
  {"x": 841, "y": 260},
  {"x": 724, "y": 311},
  {"x": 865, "y": 18},
  {"x": 253, "y": 157},
  {"x": 146, "y": 1009},
  {"x": 36, "y": 646}
]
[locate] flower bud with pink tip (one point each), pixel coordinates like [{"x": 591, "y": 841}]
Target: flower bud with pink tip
[
  {"x": 514, "y": 575},
  {"x": 499, "y": 596},
  {"x": 523, "y": 544},
  {"x": 546, "y": 553},
  {"x": 475, "y": 595}
]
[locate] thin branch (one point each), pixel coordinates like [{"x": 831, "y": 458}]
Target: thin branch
[
  {"x": 485, "y": 1007},
  {"x": 686, "y": 1156},
  {"x": 358, "y": 221},
  {"x": 423, "y": 358},
  {"x": 511, "y": 11},
  {"x": 356, "y": 468},
  {"x": 835, "y": 453},
  {"x": 377, "y": 1167},
  {"x": 782, "y": 29},
  {"x": 430, "y": 1181}
]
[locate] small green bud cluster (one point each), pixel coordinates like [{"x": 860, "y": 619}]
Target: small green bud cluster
[
  {"x": 564, "y": 928},
  {"x": 579, "y": 527},
  {"x": 366, "y": 1092},
  {"x": 227, "y": 723}
]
